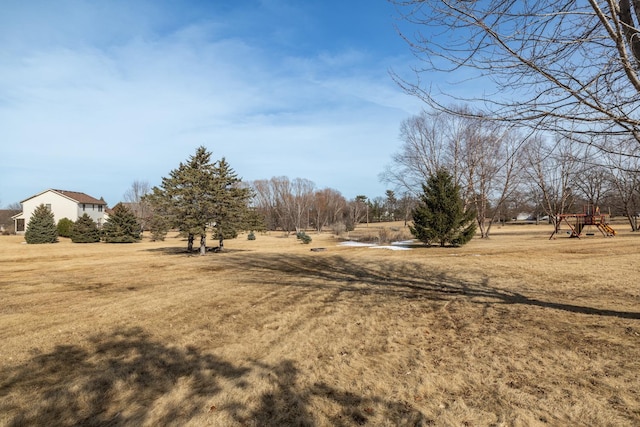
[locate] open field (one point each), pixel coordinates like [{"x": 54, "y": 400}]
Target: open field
[{"x": 517, "y": 330}]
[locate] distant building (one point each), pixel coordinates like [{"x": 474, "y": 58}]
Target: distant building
[
  {"x": 525, "y": 216},
  {"x": 7, "y": 224},
  {"x": 63, "y": 204}
]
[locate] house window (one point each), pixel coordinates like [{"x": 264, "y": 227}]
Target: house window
[
  {"x": 99, "y": 222},
  {"x": 48, "y": 205},
  {"x": 84, "y": 207},
  {"x": 99, "y": 208},
  {"x": 20, "y": 224}
]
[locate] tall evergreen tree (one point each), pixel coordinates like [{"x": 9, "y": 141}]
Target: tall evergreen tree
[
  {"x": 440, "y": 216},
  {"x": 41, "y": 227},
  {"x": 231, "y": 211},
  {"x": 199, "y": 195},
  {"x": 185, "y": 199},
  {"x": 121, "y": 226},
  {"x": 85, "y": 230}
]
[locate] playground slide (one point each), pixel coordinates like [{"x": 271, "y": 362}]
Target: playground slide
[{"x": 607, "y": 229}]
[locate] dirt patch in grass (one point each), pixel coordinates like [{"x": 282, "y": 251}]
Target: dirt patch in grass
[{"x": 514, "y": 330}]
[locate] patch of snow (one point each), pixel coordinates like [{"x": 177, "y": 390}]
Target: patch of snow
[
  {"x": 403, "y": 243},
  {"x": 352, "y": 243},
  {"x": 394, "y": 246}
]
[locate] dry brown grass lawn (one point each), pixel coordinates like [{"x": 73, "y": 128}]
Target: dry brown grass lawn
[{"x": 515, "y": 330}]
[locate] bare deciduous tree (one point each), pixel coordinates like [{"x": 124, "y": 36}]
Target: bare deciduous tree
[
  {"x": 303, "y": 192},
  {"x": 564, "y": 66},
  {"x": 286, "y": 204},
  {"x": 624, "y": 176},
  {"x": 358, "y": 211},
  {"x": 551, "y": 170},
  {"x": 328, "y": 208},
  {"x": 135, "y": 197},
  {"x": 481, "y": 155},
  {"x": 406, "y": 205},
  {"x": 431, "y": 140},
  {"x": 592, "y": 181},
  {"x": 264, "y": 202},
  {"x": 283, "y": 202},
  {"x": 491, "y": 170}
]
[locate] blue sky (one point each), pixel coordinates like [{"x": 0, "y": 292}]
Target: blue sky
[{"x": 97, "y": 94}]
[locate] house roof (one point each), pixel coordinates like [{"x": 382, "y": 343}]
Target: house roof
[
  {"x": 75, "y": 196},
  {"x": 81, "y": 197}
]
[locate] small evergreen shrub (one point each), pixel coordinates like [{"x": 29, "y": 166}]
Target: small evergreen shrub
[
  {"x": 65, "y": 225},
  {"x": 304, "y": 237},
  {"x": 122, "y": 226},
  {"x": 41, "y": 227},
  {"x": 251, "y": 236},
  {"x": 440, "y": 216},
  {"x": 85, "y": 230}
]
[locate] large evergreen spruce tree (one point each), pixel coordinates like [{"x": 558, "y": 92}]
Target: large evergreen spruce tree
[
  {"x": 440, "y": 216},
  {"x": 121, "y": 226},
  {"x": 184, "y": 197},
  {"x": 201, "y": 195},
  {"x": 41, "y": 227},
  {"x": 85, "y": 230}
]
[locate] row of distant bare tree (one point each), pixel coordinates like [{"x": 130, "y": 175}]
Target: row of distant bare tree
[
  {"x": 293, "y": 205},
  {"x": 502, "y": 170}
]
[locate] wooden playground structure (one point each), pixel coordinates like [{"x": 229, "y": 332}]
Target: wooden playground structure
[{"x": 583, "y": 224}]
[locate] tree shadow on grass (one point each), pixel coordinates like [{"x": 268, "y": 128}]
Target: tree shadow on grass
[
  {"x": 111, "y": 382},
  {"x": 401, "y": 279},
  {"x": 128, "y": 379},
  {"x": 288, "y": 404},
  {"x": 183, "y": 251}
]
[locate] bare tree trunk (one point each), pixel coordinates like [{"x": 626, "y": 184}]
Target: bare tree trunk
[
  {"x": 203, "y": 244},
  {"x": 631, "y": 218},
  {"x": 629, "y": 28},
  {"x": 625, "y": 178},
  {"x": 190, "y": 242},
  {"x": 135, "y": 196}
]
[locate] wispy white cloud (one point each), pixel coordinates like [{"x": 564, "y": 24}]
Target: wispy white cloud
[{"x": 91, "y": 108}]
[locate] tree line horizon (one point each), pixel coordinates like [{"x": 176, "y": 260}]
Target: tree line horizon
[{"x": 498, "y": 171}]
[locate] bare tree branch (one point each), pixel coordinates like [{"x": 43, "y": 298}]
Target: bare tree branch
[{"x": 556, "y": 65}]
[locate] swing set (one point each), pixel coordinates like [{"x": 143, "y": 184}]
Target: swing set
[{"x": 582, "y": 224}]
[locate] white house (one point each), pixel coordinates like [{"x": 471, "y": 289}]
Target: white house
[{"x": 63, "y": 204}]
